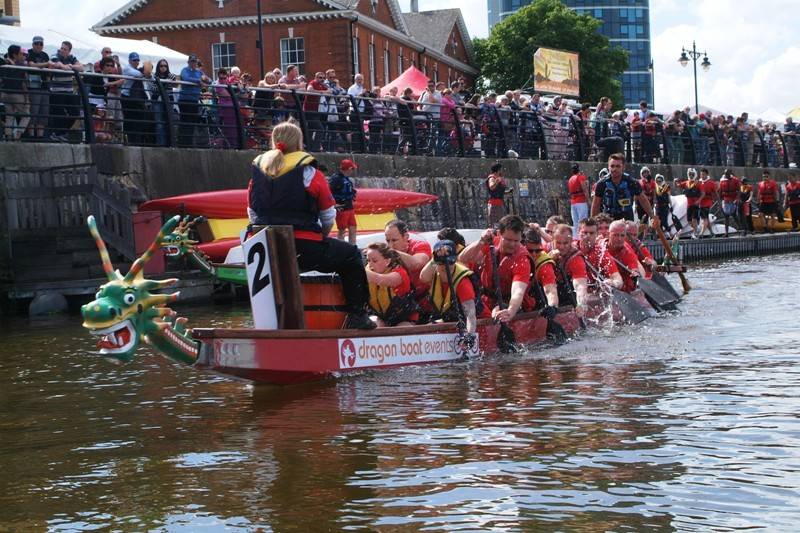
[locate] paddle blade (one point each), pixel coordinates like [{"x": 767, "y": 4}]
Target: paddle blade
[
  {"x": 657, "y": 296},
  {"x": 506, "y": 340},
  {"x": 632, "y": 310},
  {"x": 664, "y": 283}
]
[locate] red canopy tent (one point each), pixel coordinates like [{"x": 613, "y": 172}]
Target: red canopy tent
[{"x": 412, "y": 77}]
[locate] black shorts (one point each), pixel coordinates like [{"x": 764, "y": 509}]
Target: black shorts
[
  {"x": 693, "y": 213},
  {"x": 704, "y": 211},
  {"x": 769, "y": 208}
]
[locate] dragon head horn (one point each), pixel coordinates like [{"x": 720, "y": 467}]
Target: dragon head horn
[
  {"x": 108, "y": 268},
  {"x": 138, "y": 265}
]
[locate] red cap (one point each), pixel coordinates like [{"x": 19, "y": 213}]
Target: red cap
[{"x": 347, "y": 164}]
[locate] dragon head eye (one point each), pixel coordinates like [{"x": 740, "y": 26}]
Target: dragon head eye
[{"x": 129, "y": 298}]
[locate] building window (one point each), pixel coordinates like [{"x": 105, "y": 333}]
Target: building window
[
  {"x": 293, "y": 53},
  {"x": 386, "y": 73},
  {"x": 400, "y": 66},
  {"x": 356, "y": 56},
  {"x": 223, "y": 55},
  {"x": 371, "y": 51}
]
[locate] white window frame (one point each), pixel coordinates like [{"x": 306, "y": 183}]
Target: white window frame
[
  {"x": 386, "y": 76},
  {"x": 296, "y": 53},
  {"x": 400, "y": 65},
  {"x": 371, "y": 51},
  {"x": 356, "y": 56},
  {"x": 217, "y": 56}
]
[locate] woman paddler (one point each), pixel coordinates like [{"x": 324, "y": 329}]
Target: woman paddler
[
  {"x": 287, "y": 189},
  {"x": 391, "y": 297}
]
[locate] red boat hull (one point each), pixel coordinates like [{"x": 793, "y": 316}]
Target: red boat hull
[
  {"x": 232, "y": 203},
  {"x": 283, "y": 357}
]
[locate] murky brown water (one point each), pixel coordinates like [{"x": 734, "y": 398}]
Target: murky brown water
[{"x": 688, "y": 422}]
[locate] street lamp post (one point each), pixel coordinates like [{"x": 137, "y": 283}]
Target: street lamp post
[
  {"x": 260, "y": 44},
  {"x": 695, "y": 55}
]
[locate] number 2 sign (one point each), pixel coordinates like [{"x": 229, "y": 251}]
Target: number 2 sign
[{"x": 259, "y": 281}]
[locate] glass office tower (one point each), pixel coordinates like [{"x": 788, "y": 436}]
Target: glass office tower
[{"x": 626, "y": 23}]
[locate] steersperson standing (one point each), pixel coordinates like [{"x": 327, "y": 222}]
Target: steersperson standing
[
  {"x": 616, "y": 193},
  {"x": 578, "y": 187},
  {"x": 496, "y": 186},
  {"x": 287, "y": 189},
  {"x": 344, "y": 193}
]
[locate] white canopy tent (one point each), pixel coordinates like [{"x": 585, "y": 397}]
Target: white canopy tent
[{"x": 86, "y": 45}]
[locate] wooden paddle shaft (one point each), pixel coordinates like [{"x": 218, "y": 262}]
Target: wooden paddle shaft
[{"x": 668, "y": 251}]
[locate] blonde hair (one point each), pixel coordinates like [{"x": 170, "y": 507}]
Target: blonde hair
[{"x": 288, "y": 133}]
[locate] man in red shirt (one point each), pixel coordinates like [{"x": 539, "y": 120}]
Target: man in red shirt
[
  {"x": 623, "y": 255},
  {"x": 414, "y": 253},
  {"x": 691, "y": 189},
  {"x": 496, "y": 186},
  {"x": 543, "y": 288},
  {"x": 708, "y": 190},
  {"x": 571, "y": 278},
  {"x": 578, "y": 188},
  {"x": 768, "y": 201},
  {"x": 514, "y": 269},
  {"x": 642, "y": 253},
  {"x": 600, "y": 267},
  {"x": 311, "y": 110},
  {"x": 792, "y": 200},
  {"x": 729, "y": 192}
]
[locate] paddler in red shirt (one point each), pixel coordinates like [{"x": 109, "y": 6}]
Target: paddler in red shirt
[
  {"x": 708, "y": 189},
  {"x": 792, "y": 200},
  {"x": 649, "y": 191},
  {"x": 514, "y": 270},
  {"x": 623, "y": 255},
  {"x": 729, "y": 192},
  {"x": 642, "y": 253},
  {"x": 578, "y": 188},
  {"x": 496, "y": 187},
  {"x": 571, "y": 278},
  {"x": 287, "y": 189},
  {"x": 600, "y": 267},
  {"x": 768, "y": 201},
  {"x": 414, "y": 254},
  {"x": 543, "y": 288}
]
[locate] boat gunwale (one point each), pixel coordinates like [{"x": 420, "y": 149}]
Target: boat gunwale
[{"x": 444, "y": 327}]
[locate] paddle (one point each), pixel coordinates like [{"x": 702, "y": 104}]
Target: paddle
[
  {"x": 657, "y": 296},
  {"x": 668, "y": 251},
  {"x": 555, "y": 331},
  {"x": 632, "y": 310},
  {"x": 655, "y": 277},
  {"x": 464, "y": 338},
  {"x": 506, "y": 340}
]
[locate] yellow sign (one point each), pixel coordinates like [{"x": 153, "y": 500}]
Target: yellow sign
[{"x": 556, "y": 71}]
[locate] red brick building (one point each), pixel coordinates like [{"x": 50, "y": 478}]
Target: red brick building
[{"x": 368, "y": 36}]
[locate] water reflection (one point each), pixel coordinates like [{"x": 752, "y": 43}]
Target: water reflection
[{"x": 682, "y": 423}]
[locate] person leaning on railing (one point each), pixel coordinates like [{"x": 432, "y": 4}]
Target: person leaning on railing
[
  {"x": 64, "y": 103},
  {"x": 15, "y": 95},
  {"x": 38, "y": 93},
  {"x": 188, "y": 100}
]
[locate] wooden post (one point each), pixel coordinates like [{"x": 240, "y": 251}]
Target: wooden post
[{"x": 286, "y": 277}]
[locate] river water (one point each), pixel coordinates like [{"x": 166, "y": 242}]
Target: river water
[{"x": 687, "y": 422}]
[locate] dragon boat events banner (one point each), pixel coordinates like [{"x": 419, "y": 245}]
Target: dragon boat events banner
[
  {"x": 556, "y": 71},
  {"x": 368, "y": 352}
]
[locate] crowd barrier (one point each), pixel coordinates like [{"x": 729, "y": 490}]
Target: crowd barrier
[{"x": 80, "y": 108}]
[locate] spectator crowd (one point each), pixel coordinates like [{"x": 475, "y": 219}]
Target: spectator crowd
[{"x": 135, "y": 102}]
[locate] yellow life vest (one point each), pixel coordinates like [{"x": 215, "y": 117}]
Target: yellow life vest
[
  {"x": 541, "y": 260},
  {"x": 440, "y": 299},
  {"x": 380, "y": 298},
  {"x": 290, "y": 161}
]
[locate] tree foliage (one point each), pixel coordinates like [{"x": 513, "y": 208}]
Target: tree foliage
[{"x": 505, "y": 58}]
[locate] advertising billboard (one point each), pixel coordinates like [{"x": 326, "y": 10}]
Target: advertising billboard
[{"x": 556, "y": 71}]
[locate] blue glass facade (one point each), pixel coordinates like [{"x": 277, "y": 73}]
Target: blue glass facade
[{"x": 625, "y": 22}]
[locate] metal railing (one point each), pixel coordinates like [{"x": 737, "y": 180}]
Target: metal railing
[{"x": 92, "y": 108}]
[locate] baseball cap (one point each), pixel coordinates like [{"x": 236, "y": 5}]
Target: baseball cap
[
  {"x": 347, "y": 164},
  {"x": 575, "y": 168},
  {"x": 192, "y": 57},
  {"x": 38, "y": 39},
  {"x": 133, "y": 56}
]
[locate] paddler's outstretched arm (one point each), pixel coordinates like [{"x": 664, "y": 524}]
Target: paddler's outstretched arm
[
  {"x": 472, "y": 253},
  {"x": 647, "y": 208},
  {"x": 427, "y": 272},
  {"x": 518, "y": 290},
  {"x": 470, "y": 315},
  {"x": 551, "y": 293},
  {"x": 596, "y": 204}
]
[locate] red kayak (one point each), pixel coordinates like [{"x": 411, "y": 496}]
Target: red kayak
[{"x": 232, "y": 203}]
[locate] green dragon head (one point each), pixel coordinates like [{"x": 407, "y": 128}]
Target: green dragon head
[
  {"x": 125, "y": 310},
  {"x": 177, "y": 242}
]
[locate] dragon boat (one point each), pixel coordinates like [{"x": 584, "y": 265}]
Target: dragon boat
[{"x": 129, "y": 310}]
